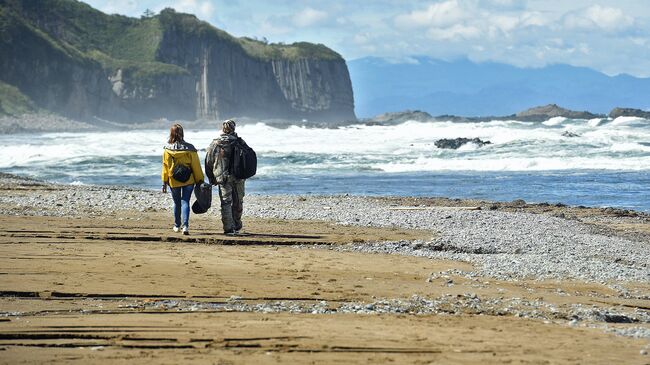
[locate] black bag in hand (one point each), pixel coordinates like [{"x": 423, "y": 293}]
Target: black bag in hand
[{"x": 203, "y": 195}]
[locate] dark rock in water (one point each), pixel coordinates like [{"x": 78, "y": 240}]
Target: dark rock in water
[
  {"x": 629, "y": 112},
  {"x": 543, "y": 113},
  {"x": 457, "y": 142},
  {"x": 570, "y": 134}
]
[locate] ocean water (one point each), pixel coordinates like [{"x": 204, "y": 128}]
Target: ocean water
[{"x": 606, "y": 164}]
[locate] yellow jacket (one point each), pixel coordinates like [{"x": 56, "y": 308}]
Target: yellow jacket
[{"x": 181, "y": 153}]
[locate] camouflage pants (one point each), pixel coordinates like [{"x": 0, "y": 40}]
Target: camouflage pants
[{"x": 231, "y": 194}]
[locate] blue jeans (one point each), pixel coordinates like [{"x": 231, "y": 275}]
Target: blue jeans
[{"x": 181, "y": 196}]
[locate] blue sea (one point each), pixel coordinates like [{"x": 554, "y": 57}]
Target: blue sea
[{"x": 598, "y": 162}]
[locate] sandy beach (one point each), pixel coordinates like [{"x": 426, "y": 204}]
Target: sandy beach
[{"x": 96, "y": 275}]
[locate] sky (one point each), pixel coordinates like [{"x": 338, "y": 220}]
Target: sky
[{"x": 610, "y": 36}]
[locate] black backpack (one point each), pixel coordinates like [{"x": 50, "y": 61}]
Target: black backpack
[
  {"x": 181, "y": 172},
  {"x": 243, "y": 160}
]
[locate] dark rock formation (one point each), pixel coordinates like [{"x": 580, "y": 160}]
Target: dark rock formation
[
  {"x": 458, "y": 142},
  {"x": 401, "y": 117},
  {"x": 72, "y": 59},
  {"x": 543, "y": 113},
  {"x": 570, "y": 134},
  {"x": 629, "y": 112}
]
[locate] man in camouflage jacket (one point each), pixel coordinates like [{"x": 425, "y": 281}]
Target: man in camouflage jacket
[{"x": 231, "y": 189}]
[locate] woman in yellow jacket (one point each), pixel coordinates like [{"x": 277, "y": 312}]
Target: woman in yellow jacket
[{"x": 176, "y": 153}]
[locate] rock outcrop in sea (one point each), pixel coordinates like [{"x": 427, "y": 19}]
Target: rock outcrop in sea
[
  {"x": 629, "y": 112},
  {"x": 542, "y": 113},
  {"x": 456, "y": 143},
  {"x": 74, "y": 60}
]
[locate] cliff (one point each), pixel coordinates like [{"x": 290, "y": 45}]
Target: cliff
[{"x": 74, "y": 60}]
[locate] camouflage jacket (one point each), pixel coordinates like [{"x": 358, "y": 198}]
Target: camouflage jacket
[{"x": 217, "y": 158}]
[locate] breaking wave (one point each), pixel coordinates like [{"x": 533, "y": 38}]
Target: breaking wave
[{"x": 556, "y": 144}]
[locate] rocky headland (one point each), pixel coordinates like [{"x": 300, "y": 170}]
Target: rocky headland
[{"x": 70, "y": 59}]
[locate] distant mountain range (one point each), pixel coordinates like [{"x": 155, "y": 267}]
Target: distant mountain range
[{"x": 467, "y": 88}]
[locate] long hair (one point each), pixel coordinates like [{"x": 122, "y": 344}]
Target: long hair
[{"x": 175, "y": 133}]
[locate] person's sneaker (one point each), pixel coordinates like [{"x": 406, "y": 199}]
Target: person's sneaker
[
  {"x": 230, "y": 233},
  {"x": 176, "y": 229},
  {"x": 186, "y": 231}
]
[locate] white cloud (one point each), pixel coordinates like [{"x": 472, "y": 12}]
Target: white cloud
[
  {"x": 120, "y": 7},
  {"x": 203, "y": 9},
  {"x": 439, "y": 15},
  {"x": 503, "y": 4},
  {"x": 534, "y": 19},
  {"x": 521, "y": 32},
  {"x": 455, "y": 32},
  {"x": 596, "y": 16},
  {"x": 309, "y": 17},
  {"x": 272, "y": 29},
  {"x": 505, "y": 23}
]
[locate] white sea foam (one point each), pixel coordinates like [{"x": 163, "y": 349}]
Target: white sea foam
[
  {"x": 516, "y": 146},
  {"x": 515, "y": 164},
  {"x": 596, "y": 122},
  {"x": 630, "y": 121},
  {"x": 555, "y": 121}
]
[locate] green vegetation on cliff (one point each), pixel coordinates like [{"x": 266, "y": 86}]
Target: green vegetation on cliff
[
  {"x": 290, "y": 52},
  {"x": 13, "y": 102},
  {"x": 118, "y": 41},
  {"x": 190, "y": 25},
  {"x": 72, "y": 59}
]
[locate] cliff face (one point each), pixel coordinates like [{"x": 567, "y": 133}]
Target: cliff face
[
  {"x": 160, "y": 96},
  {"x": 55, "y": 78},
  {"x": 227, "y": 82},
  {"x": 231, "y": 82},
  {"x": 81, "y": 63},
  {"x": 316, "y": 87}
]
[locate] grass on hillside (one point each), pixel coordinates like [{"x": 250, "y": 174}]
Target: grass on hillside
[
  {"x": 291, "y": 52},
  {"x": 115, "y": 41},
  {"x": 191, "y": 25},
  {"x": 139, "y": 42},
  {"x": 13, "y": 102},
  {"x": 140, "y": 72}
]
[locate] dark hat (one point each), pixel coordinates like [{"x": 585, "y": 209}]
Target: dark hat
[{"x": 228, "y": 126}]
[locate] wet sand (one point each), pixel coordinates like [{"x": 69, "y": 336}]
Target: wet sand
[{"x": 124, "y": 288}]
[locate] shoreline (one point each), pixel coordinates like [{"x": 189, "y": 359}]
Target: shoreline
[
  {"x": 96, "y": 274},
  {"x": 608, "y": 219},
  {"x": 472, "y": 218},
  {"x": 425, "y": 201}
]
